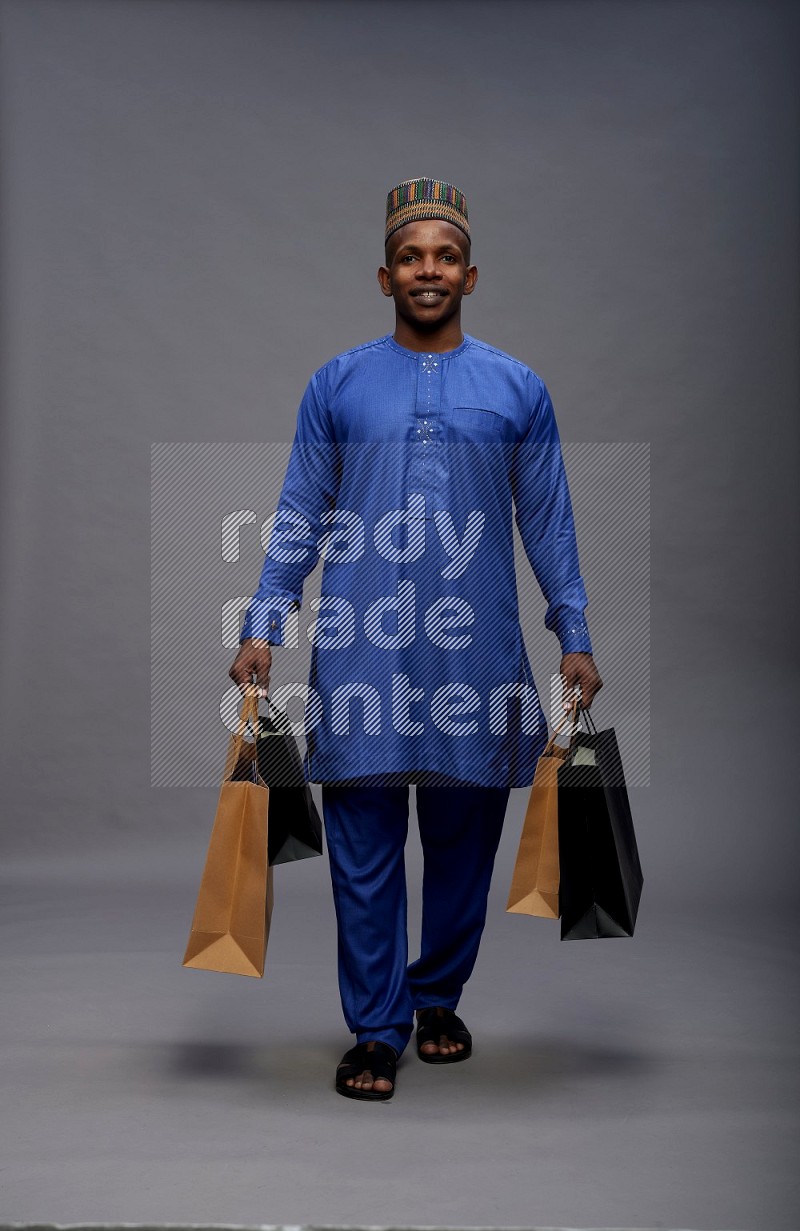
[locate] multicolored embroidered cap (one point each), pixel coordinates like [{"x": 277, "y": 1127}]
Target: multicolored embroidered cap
[{"x": 414, "y": 200}]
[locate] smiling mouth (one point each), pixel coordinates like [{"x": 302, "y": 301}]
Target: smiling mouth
[{"x": 428, "y": 297}]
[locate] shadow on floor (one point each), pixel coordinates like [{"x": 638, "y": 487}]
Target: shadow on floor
[{"x": 514, "y": 1063}]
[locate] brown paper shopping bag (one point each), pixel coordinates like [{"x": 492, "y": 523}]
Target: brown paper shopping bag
[
  {"x": 535, "y": 881},
  {"x": 232, "y": 915}
]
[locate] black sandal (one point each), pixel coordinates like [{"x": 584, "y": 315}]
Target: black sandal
[
  {"x": 382, "y": 1064},
  {"x": 432, "y": 1025}
]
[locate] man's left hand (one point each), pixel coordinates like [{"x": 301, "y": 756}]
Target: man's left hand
[{"x": 579, "y": 669}]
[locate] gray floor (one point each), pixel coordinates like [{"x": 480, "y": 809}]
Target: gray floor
[{"x": 629, "y": 1083}]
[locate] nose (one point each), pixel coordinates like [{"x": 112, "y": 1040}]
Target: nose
[{"x": 426, "y": 270}]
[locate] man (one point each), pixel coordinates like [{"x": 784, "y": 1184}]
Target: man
[{"x": 425, "y": 436}]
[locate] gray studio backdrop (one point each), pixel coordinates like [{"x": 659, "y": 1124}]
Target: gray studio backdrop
[{"x": 193, "y": 202}]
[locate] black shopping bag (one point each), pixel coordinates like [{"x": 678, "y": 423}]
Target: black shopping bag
[
  {"x": 294, "y": 830},
  {"x": 601, "y": 876}
]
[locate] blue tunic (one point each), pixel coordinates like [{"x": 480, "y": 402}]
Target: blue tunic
[{"x": 404, "y": 473}]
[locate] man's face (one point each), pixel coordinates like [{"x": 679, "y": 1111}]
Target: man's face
[{"x": 427, "y": 272}]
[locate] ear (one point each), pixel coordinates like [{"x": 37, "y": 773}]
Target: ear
[
  {"x": 385, "y": 280},
  {"x": 470, "y": 278}
]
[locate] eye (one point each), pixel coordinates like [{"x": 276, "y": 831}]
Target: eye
[
  {"x": 408, "y": 257},
  {"x": 448, "y": 256}
]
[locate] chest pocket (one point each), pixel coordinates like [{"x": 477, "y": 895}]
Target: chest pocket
[{"x": 476, "y": 423}]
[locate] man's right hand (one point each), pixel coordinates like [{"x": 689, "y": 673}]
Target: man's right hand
[{"x": 254, "y": 659}]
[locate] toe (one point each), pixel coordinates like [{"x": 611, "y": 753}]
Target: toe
[
  {"x": 365, "y": 1081},
  {"x": 447, "y": 1047}
]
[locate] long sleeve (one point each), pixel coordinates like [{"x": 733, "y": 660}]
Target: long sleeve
[
  {"x": 543, "y": 513},
  {"x": 309, "y": 490}
]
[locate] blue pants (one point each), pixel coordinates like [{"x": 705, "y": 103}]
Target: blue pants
[{"x": 366, "y": 829}]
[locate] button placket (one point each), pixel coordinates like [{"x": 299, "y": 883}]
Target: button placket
[{"x": 421, "y": 471}]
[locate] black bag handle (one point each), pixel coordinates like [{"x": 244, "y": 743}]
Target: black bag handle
[
  {"x": 281, "y": 720},
  {"x": 579, "y": 712}
]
